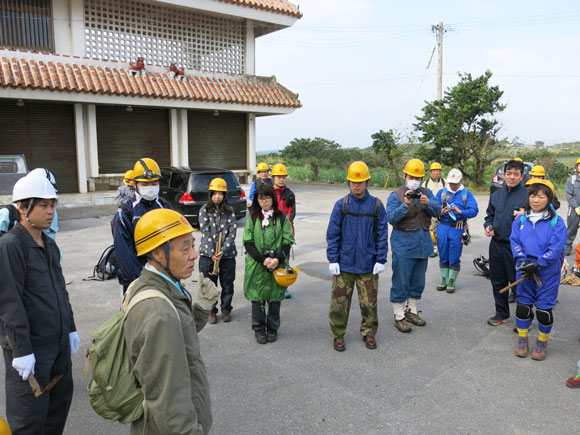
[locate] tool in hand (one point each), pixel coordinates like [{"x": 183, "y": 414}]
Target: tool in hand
[{"x": 216, "y": 263}]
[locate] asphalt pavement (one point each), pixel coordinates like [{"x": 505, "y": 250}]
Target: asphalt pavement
[{"x": 456, "y": 375}]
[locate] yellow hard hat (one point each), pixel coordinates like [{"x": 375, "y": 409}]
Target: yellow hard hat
[
  {"x": 218, "y": 185},
  {"x": 146, "y": 169},
  {"x": 128, "y": 178},
  {"x": 578, "y": 162},
  {"x": 286, "y": 277},
  {"x": 157, "y": 227},
  {"x": 279, "y": 169},
  {"x": 4, "y": 428},
  {"x": 517, "y": 159},
  {"x": 538, "y": 171},
  {"x": 533, "y": 181},
  {"x": 357, "y": 172},
  {"x": 262, "y": 167},
  {"x": 435, "y": 165},
  {"x": 414, "y": 168}
]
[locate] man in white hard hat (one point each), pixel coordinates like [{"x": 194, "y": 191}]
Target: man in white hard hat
[
  {"x": 37, "y": 328},
  {"x": 45, "y": 173}
]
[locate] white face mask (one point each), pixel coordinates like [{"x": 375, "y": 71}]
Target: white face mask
[
  {"x": 149, "y": 193},
  {"x": 413, "y": 184}
]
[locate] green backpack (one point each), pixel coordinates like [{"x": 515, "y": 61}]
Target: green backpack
[{"x": 115, "y": 393}]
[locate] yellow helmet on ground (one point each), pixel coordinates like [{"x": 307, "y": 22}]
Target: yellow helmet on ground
[
  {"x": 533, "y": 181},
  {"x": 262, "y": 167},
  {"x": 279, "y": 169},
  {"x": 159, "y": 226},
  {"x": 415, "y": 168},
  {"x": 218, "y": 185},
  {"x": 286, "y": 277},
  {"x": 517, "y": 159},
  {"x": 146, "y": 169},
  {"x": 357, "y": 172},
  {"x": 128, "y": 177},
  {"x": 434, "y": 166},
  {"x": 538, "y": 171},
  {"x": 4, "y": 428}
]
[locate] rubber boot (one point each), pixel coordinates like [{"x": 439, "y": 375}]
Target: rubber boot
[
  {"x": 444, "y": 277},
  {"x": 451, "y": 280}
]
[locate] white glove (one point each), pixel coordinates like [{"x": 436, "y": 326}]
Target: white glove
[
  {"x": 75, "y": 342},
  {"x": 334, "y": 268},
  {"x": 207, "y": 293},
  {"x": 378, "y": 268},
  {"x": 24, "y": 365}
]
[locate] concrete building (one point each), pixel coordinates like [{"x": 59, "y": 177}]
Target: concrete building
[{"x": 74, "y": 98}]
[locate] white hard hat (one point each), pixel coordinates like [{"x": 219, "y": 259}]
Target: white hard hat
[
  {"x": 41, "y": 172},
  {"x": 33, "y": 187}
]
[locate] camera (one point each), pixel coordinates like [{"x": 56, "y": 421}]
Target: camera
[
  {"x": 412, "y": 195},
  {"x": 445, "y": 205},
  {"x": 269, "y": 254}
]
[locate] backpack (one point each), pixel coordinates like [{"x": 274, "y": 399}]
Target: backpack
[
  {"x": 107, "y": 267},
  {"x": 9, "y": 215},
  {"x": 345, "y": 212},
  {"x": 114, "y": 392}
]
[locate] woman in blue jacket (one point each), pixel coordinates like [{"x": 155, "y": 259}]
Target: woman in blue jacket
[{"x": 538, "y": 241}]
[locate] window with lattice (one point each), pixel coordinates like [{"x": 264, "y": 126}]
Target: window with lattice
[
  {"x": 126, "y": 29},
  {"x": 26, "y": 24}
]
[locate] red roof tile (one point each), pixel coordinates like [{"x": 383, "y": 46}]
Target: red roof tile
[
  {"x": 278, "y": 6},
  {"x": 27, "y": 70}
]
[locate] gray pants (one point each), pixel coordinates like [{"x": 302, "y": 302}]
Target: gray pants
[{"x": 572, "y": 224}]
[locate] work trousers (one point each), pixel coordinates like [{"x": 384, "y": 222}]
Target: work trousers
[
  {"x": 572, "y": 223},
  {"x": 367, "y": 285},
  {"x": 227, "y": 276},
  {"x": 450, "y": 247},
  {"x": 265, "y": 315},
  {"x": 408, "y": 279},
  {"x": 502, "y": 272},
  {"x": 46, "y": 414}
]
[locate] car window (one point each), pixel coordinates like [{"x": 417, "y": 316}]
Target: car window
[
  {"x": 165, "y": 176},
  {"x": 200, "y": 182},
  {"x": 177, "y": 181}
]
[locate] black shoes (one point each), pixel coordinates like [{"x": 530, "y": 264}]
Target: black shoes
[{"x": 261, "y": 336}]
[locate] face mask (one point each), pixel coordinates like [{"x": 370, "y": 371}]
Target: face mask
[
  {"x": 149, "y": 193},
  {"x": 413, "y": 184}
]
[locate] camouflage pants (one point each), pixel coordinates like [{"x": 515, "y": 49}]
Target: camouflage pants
[{"x": 367, "y": 286}]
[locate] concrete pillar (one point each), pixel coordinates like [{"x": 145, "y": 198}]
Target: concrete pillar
[
  {"x": 174, "y": 138},
  {"x": 80, "y": 148},
  {"x": 250, "y": 58},
  {"x": 251, "y": 144},
  {"x": 183, "y": 137},
  {"x": 62, "y": 27},
  {"x": 77, "y": 27},
  {"x": 91, "y": 140}
]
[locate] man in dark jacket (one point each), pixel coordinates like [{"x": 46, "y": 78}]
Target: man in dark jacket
[
  {"x": 504, "y": 205},
  {"x": 38, "y": 332}
]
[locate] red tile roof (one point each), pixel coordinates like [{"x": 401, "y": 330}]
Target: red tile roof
[
  {"x": 26, "y": 70},
  {"x": 279, "y": 6}
]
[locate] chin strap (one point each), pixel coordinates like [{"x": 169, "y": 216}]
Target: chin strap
[
  {"x": 166, "y": 268},
  {"x": 28, "y": 210}
]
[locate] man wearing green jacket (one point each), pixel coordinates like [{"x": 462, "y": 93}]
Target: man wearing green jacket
[{"x": 161, "y": 339}]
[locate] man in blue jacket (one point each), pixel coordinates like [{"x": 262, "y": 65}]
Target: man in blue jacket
[
  {"x": 410, "y": 209},
  {"x": 357, "y": 238},
  {"x": 146, "y": 175},
  {"x": 504, "y": 205}
]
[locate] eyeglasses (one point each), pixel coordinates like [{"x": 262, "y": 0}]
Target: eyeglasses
[{"x": 265, "y": 198}]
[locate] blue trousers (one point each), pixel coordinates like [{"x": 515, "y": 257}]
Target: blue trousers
[
  {"x": 450, "y": 246},
  {"x": 408, "y": 279}
]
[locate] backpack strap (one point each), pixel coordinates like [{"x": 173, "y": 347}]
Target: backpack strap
[
  {"x": 464, "y": 197},
  {"x": 129, "y": 304},
  {"x": 375, "y": 215}
]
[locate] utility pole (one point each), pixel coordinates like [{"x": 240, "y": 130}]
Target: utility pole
[{"x": 439, "y": 30}]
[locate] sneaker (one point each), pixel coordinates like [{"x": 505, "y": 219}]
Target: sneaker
[
  {"x": 272, "y": 335},
  {"x": 402, "y": 325},
  {"x": 261, "y": 336},
  {"x": 539, "y": 352},
  {"x": 414, "y": 318},
  {"x": 433, "y": 255},
  {"x": 227, "y": 317},
  {"x": 496, "y": 320},
  {"x": 212, "y": 318},
  {"x": 287, "y": 295},
  {"x": 522, "y": 347},
  {"x": 574, "y": 381}
]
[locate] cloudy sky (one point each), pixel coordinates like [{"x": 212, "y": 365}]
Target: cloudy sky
[{"x": 360, "y": 66}]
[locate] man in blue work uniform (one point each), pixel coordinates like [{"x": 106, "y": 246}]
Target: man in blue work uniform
[
  {"x": 409, "y": 210},
  {"x": 146, "y": 175},
  {"x": 504, "y": 205},
  {"x": 357, "y": 238}
]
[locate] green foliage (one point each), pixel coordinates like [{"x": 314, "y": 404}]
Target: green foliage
[
  {"x": 459, "y": 129},
  {"x": 387, "y": 143},
  {"x": 316, "y": 153}
]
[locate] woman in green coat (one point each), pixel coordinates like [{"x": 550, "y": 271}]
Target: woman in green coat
[{"x": 267, "y": 239}]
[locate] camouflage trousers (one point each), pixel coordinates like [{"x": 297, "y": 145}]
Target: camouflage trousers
[{"x": 367, "y": 286}]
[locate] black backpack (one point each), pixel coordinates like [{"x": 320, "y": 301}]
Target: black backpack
[{"x": 107, "y": 267}]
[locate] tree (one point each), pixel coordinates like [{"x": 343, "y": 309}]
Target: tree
[
  {"x": 460, "y": 129},
  {"x": 317, "y": 153},
  {"x": 388, "y": 143}
]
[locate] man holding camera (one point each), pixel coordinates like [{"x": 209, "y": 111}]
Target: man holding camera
[{"x": 409, "y": 210}]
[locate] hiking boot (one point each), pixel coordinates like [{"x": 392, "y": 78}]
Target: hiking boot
[
  {"x": 370, "y": 341},
  {"x": 444, "y": 276},
  {"x": 414, "y": 318},
  {"x": 261, "y": 336},
  {"x": 574, "y": 381},
  {"x": 433, "y": 255},
  {"x": 402, "y": 325},
  {"x": 539, "y": 352},
  {"x": 522, "y": 347},
  {"x": 227, "y": 317},
  {"x": 272, "y": 335},
  {"x": 287, "y": 295},
  {"x": 339, "y": 344},
  {"x": 496, "y": 320},
  {"x": 212, "y": 318}
]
